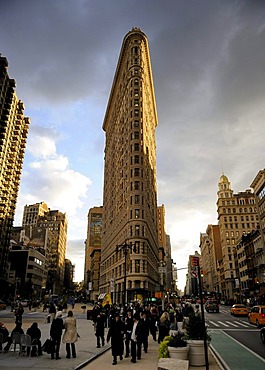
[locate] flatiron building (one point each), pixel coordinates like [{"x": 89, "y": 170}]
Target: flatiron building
[{"x": 130, "y": 248}]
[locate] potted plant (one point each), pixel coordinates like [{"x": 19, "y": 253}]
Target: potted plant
[
  {"x": 178, "y": 347},
  {"x": 163, "y": 348},
  {"x": 196, "y": 331}
]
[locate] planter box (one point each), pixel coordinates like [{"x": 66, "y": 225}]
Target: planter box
[
  {"x": 172, "y": 364},
  {"x": 180, "y": 353},
  {"x": 196, "y": 352}
]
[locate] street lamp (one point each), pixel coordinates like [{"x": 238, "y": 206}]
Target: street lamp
[{"x": 127, "y": 248}]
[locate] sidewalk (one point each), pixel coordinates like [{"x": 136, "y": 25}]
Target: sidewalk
[
  {"x": 149, "y": 361},
  {"x": 85, "y": 347},
  {"x": 88, "y": 356}
]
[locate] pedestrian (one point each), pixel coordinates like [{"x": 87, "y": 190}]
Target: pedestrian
[
  {"x": 163, "y": 326},
  {"x": 153, "y": 321},
  {"x": 128, "y": 332},
  {"x": 70, "y": 335},
  {"x": 136, "y": 339},
  {"x": 52, "y": 311},
  {"x": 56, "y": 330},
  {"x": 145, "y": 327},
  {"x": 179, "y": 319},
  {"x": 116, "y": 333},
  {"x": 18, "y": 313},
  {"x": 35, "y": 335},
  {"x": 100, "y": 328}
]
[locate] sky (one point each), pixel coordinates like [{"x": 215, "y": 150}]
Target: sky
[{"x": 208, "y": 61}]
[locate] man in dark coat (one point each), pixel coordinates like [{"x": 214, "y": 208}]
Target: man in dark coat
[
  {"x": 128, "y": 332},
  {"x": 17, "y": 329},
  {"x": 35, "y": 334},
  {"x": 116, "y": 333},
  {"x": 5, "y": 333},
  {"x": 145, "y": 322},
  {"x": 136, "y": 338},
  {"x": 19, "y": 313},
  {"x": 100, "y": 328},
  {"x": 56, "y": 330}
]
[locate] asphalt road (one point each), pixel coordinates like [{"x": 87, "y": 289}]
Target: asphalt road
[{"x": 236, "y": 327}]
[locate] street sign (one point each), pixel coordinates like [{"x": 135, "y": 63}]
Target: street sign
[
  {"x": 194, "y": 274},
  {"x": 194, "y": 261}
]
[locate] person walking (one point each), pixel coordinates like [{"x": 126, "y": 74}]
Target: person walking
[
  {"x": 163, "y": 326},
  {"x": 52, "y": 311},
  {"x": 70, "y": 335},
  {"x": 145, "y": 323},
  {"x": 19, "y": 313},
  {"x": 153, "y": 321},
  {"x": 136, "y": 339},
  {"x": 56, "y": 330},
  {"x": 128, "y": 332},
  {"x": 179, "y": 319},
  {"x": 116, "y": 333},
  {"x": 100, "y": 328}
]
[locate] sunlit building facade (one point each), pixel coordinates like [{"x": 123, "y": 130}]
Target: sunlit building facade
[
  {"x": 130, "y": 249},
  {"x": 14, "y": 128}
]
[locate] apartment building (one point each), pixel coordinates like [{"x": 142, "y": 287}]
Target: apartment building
[
  {"x": 237, "y": 216},
  {"x": 13, "y": 136}
]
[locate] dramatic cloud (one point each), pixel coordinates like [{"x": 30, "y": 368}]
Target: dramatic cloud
[{"x": 208, "y": 60}]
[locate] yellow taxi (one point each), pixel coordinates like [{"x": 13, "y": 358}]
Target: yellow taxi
[
  {"x": 239, "y": 309},
  {"x": 257, "y": 315}
]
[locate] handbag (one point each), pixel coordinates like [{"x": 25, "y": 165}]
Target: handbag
[{"x": 47, "y": 346}]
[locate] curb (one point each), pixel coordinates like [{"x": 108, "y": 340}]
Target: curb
[{"x": 83, "y": 364}]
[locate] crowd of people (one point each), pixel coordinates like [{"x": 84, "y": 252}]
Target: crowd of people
[
  {"x": 128, "y": 329},
  {"x": 64, "y": 331}
]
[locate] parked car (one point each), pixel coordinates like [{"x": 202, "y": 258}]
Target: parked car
[
  {"x": 2, "y": 305},
  {"x": 262, "y": 335},
  {"x": 212, "y": 305},
  {"x": 257, "y": 315},
  {"x": 239, "y": 309}
]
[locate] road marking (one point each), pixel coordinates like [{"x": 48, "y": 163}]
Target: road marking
[
  {"x": 245, "y": 326},
  {"x": 229, "y": 322},
  {"x": 212, "y": 322},
  {"x": 221, "y": 322}
]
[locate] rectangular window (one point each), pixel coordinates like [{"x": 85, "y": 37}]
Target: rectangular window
[
  {"x": 137, "y": 213},
  {"x": 137, "y": 266},
  {"x": 137, "y": 199},
  {"x": 136, "y": 159},
  {"x": 137, "y": 230}
]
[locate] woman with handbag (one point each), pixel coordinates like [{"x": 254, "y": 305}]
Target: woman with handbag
[
  {"x": 70, "y": 335},
  {"x": 56, "y": 330}
]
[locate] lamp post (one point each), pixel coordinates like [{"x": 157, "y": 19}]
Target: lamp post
[
  {"x": 127, "y": 248},
  {"x": 196, "y": 263}
]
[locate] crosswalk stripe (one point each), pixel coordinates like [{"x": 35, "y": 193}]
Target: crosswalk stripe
[
  {"x": 232, "y": 324},
  {"x": 223, "y": 323},
  {"x": 245, "y": 326},
  {"x": 214, "y": 323}
]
